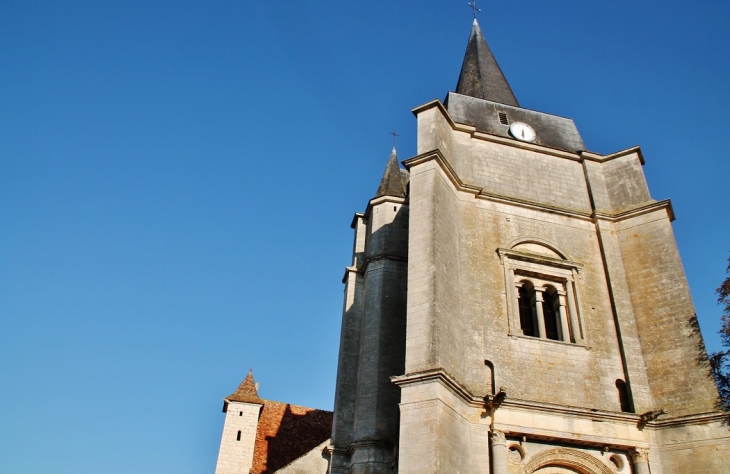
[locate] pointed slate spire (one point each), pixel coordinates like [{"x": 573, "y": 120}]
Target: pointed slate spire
[
  {"x": 480, "y": 75},
  {"x": 394, "y": 179},
  {"x": 246, "y": 392}
]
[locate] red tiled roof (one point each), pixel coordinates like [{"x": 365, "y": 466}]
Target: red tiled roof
[
  {"x": 246, "y": 392},
  {"x": 287, "y": 432}
]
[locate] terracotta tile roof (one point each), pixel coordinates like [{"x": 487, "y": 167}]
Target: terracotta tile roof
[
  {"x": 246, "y": 392},
  {"x": 287, "y": 432}
]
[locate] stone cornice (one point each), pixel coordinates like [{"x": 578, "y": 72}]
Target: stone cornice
[
  {"x": 590, "y": 156},
  {"x": 355, "y": 218},
  {"x": 578, "y": 412},
  {"x": 382, "y": 256},
  {"x": 537, "y": 258},
  {"x": 382, "y": 200},
  {"x": 347, "y": 271},
  {"x": 446, "y": 380},
  {"x": 712, "y": 417},
  {"x": 509, "y": 404},
  {"x": 525, "y": 145},
  {"x": 368, "y": 260},
  {"x": 637, "y": 211}
]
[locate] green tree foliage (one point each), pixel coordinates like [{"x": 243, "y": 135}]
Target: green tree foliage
[{"x": 720, "y": 361}]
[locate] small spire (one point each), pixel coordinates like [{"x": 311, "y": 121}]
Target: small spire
[
  {"x": 247, "y": 391},
  {"x": 481, "y": 76},
  {"x": 392, "y": 183}
]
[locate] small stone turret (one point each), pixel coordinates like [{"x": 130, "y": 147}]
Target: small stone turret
[
  {"x": 242, "y": 409},
  {"x": 372, "y": 347}
]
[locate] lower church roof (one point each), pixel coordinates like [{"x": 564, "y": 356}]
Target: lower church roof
[{"x": 287, "y": 432}]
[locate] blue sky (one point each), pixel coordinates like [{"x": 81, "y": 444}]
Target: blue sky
[{"x": 177, "y": 180}]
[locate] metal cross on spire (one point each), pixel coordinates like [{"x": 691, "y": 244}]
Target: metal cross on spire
[
  {"x": 473, "y": 5},
  {"x": 395, "y": 136}
]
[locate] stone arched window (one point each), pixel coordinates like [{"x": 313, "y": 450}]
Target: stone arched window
[{"x": 542, "y": 296}]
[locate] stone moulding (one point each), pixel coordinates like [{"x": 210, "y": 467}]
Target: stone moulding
[
  {"x": 578, "y": 460},
  {"x": 537, "y": 258},
  {"x": 712, "y": 417},
  {"x": 578, "y": 412},
  {"x": 379, "y": 200},
  {"x": 446, "y": 380},
  {"x": 536, "y": 240},
  {"x": 638, "y": 211},
  {"x": 603, "y": 158},
  {"x": 375, "y": 258}
]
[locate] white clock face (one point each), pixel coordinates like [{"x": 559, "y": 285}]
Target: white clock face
[{"x": 522, "y": 131}]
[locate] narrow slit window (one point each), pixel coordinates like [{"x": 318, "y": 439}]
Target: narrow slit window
[
  {"x": 623, "y": 396},
  {"x": 238, "y": 436}
]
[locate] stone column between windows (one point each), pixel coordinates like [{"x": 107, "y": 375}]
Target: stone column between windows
[
  {"x": 640, "y": 458},
  {"x": 499, "y": 452},
  {"x": 563, "y": 317},
  {"x": 538, "y": 312},
  {"x": 573, "y": 312}
]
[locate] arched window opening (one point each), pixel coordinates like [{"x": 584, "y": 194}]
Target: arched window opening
[
  {"x": 238, "y": 436},
  {"x": 550, "y": 313},
  {"x": 623, "y": 396},
  {"x": 240, "y": 413},
  {"x": 526, "y": 299}
]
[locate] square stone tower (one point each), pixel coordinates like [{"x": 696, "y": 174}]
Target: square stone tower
[
  {"x": 242, "y": 409},
  {"x": 517, "y": 304}
]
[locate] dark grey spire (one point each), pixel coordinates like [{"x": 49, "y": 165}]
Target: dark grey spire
[
  {"x": 480, "y": 75},
  {"x": 394, "y": 180}
]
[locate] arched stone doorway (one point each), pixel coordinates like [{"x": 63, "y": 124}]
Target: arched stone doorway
[{"x": 565, "y": 461}]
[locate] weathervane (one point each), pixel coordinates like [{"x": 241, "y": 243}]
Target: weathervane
[
  {"x": 473, "y": 5},
  {"x": 395, "y": 137}
]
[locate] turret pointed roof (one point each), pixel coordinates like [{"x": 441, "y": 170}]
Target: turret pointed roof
[
  {"x": 394, "y": 182},
  {"x": 246, "y": 392},
  {"x": 481, "y": 76}
]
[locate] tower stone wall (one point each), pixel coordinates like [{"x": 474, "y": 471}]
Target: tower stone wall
[
  {"x": 235, "y": 455},
  {"x": 519, "y": 307}
]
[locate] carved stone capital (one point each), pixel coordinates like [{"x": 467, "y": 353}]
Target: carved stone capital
[
  {"x": 639, "y": 455},
  {"x": 498, "y": 437}
]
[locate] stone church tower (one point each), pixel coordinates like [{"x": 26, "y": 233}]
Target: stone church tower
[{"x": 517, "y": 304}]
